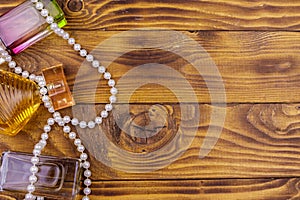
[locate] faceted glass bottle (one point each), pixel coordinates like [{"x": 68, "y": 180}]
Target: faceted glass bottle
[
  {"x": 23, "y": 26},
  {"x": 19, "y": 99},
  {"x": 58, "y": 178}
]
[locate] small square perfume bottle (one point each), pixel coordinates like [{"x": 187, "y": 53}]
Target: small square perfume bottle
[
  {"x": 58, "y": 89},
  {"x": 58, "y": 178},
  {"x": 24, "y": 25}
]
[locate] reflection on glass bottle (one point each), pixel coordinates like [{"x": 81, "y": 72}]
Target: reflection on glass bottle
[
  {"x": 19, "y": 99},
  {"x": 58, "y": 178},
  {"x": 24, "y": 25}
]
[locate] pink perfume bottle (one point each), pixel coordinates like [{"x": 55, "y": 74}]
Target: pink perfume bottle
[
  {"x": 24, "y": 25},
  {"x": 58, "y": 178}
]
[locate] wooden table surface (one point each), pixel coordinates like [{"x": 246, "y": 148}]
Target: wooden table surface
[{"x": 256, "y": 48}]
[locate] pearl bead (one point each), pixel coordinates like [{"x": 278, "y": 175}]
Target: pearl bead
[
  {"x": 67, "y": 129},
  {"x": 80, "y": 148},
  {"x": 57, "y": 30},
  {"x": 36, "y": 152},
  {"x": 25, "y": 74},
  {"x": 32, "y": 77},
  {"x": 44, "y": 12},
  {"x": 56, "y": 114},
  {"x": 50, "y": 121},
  {"x": 98, "y": 120},
  {"x": 47, "y": 128},
  {"x": 30, "y": 188},
  {"x": 83, "y": 52},
  {"x": 18, "y": 70},
  {"x": 58, "y": 119},
  {"x": 43, "y": 91},
  {"x": 53, "y": 26},
  {"x": 61, "y": 123},
  {"x": 82, "y": 124},
  {"x": 86, "y": 164},
  {"x": 67, "y": 119},
  {"x": 51, "y": 110},
  {"x": 43, "y": 143},
  {"x": 87, "y": 191},
  {"x": 87, "y": 182},
  {"x": 89, "y": 58},
  {"x": 113, "y": 91},
  {"x": 12, "y": 64},
  {"x": 35, "y": 160},
  {"x": 96, "y": 63},
  {"x": 47, "y": 105},
  {"x": 108, "y": 107},
  {"x": 39, "y": 78},
  {"x": 8, "y": 58},
  {"x": 39, "y": 5},
  {"x": 77, "y": 47},
  {"x": 107, "y": 75},
  {"x": 111, "y": 83},
  {"x": 75, "y": 121},
  {"x": 66, "y": 36},
  {"x": 85, "y": 198},
  {"x": 49, "y": 19},
  {"x": 72, "y": 135},
  {"x": 38, "y": 146},
  {"x": 87, "y": 173},
  {"x": 77, "y": 142},
  {"x": 32, "y": 179},
  {"x": 104, "y": 114},
  {"x": 29, "y": 196},
  {"x": 41, "y": 83},
  {"x": 71, "y": 41},
  {"x": 44, "y": 136},
  {"x": 34, "y": 169},
  {"x": 112, "y": 99},
  {"x": 101, "y": 69},
  {"x": 83, "y": 156},
  {"x": 91, "y": 124},
  {"x": 45, "y": 98}
]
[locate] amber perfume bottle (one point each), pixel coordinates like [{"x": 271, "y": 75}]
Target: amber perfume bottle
[
  {"x": 19, "y": 99},
  {"x": 23, "y": 25},
  {"x": 58, "y": 178}
]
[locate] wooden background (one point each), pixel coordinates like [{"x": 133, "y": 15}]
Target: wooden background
[{"x": 256, "y": 47}]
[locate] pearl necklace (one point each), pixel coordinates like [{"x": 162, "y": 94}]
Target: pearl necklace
[{"x": 62, "y": 121}]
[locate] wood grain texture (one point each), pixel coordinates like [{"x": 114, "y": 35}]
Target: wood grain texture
[
  {"x": 176, "y": 14},
  {"x": 257, "y": 54},
  {"x": 255, "y": 67},
  {"x": 251, "y": 145},
  {"x": 228, "y": 189}
]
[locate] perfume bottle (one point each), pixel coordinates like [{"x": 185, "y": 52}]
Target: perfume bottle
[
  {"x": 19, "y": 99},
  {"x": 23, "y": 25},
  {"x": 58, "y": 178}
]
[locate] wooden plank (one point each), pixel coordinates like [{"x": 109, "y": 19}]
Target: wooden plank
[
  {"x": 255, "y": 66},
  {"x": 257, "y": 141},
  {"x": 176, "y": 14},
  {"x": 227, "y": 189}
]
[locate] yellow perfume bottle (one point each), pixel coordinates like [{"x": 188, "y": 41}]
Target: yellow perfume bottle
[{"x": 19, "y": 99}]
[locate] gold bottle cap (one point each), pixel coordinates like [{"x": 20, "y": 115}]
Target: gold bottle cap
[{"x": 58, "y": 88}]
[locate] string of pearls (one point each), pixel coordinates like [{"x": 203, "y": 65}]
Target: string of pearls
[{"x": 57, "y": 118}]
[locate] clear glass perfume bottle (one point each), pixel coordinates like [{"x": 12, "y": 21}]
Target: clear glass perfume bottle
[
  {"x": 19, "y": 99},
  {"x": 23, "y": 25},
  {"x": 58, "y": 178}
]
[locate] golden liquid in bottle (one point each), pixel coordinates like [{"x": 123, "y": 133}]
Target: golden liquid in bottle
[{"x": 19, "y": 99}]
